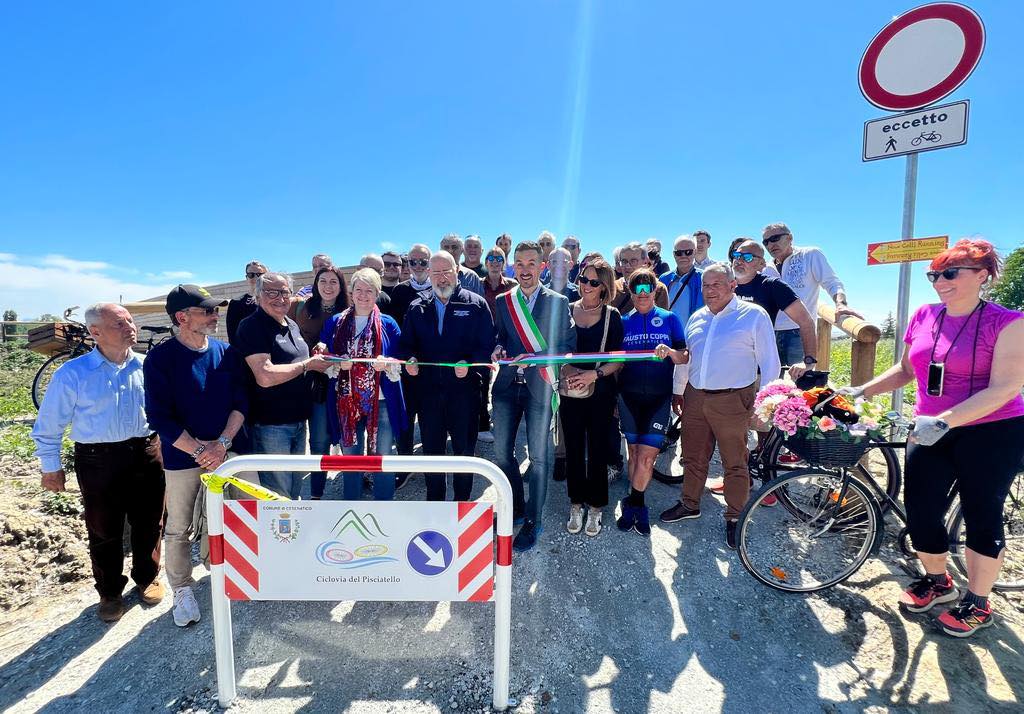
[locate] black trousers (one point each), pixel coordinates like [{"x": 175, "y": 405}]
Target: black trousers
[
  {"x": 118, "y": 481},
  {"x": 585, "y": 434},
  {"x": 452, "y": 414},
  {"x": 982, "y": 460}
]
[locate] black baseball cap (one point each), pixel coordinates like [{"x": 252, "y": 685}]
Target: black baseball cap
[{"x": 186, "y": 296}]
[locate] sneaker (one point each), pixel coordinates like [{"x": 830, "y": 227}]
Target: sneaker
[
  {"x": 923, "y": 594},
  {"x": 789, "y": 459},
  {"x": 558, "y": 472},
  {"x": 642, "y": 524},
  {"x": 152, "y": 593},
  {"x": 627, "y": 520},
  {"x": 486, "y": 436},
  {"x": 527, "y": 536},
  {"x": 965, "y": 619},
  {"x": 111, "y": 609},
  {"x": 769, "y": 500},
  {"x": 593, "y": 522},
  {"x": 186, "y": 608},
  {"x": 730, "y": 534},
  {"x": 575, "y": 523},
  {"x": 718, "y": 488},
  {"x": 679, "y": 512}
]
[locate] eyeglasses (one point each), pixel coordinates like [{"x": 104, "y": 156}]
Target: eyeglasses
[
  {"x": 775, "y": 238},
  {"x": 275, "y": 294},
  {"x": 389, "y": 264},
  {"x": 418, "y": 262},
  {"x": 682, "y": 251},
  {"x": 570, "y": 246},
  {"x": 747, "y": 257},
  {"x": 253, "y": 276},
  {"x": 207, "y": 310},
  {"x": 643, "y": 289},
  {"x": 495, "y": 259},
  {"x": 593, "y": 283},
  {"x": 948, "y": 273}
]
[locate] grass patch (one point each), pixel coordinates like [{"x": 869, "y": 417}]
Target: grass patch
[
  {"x": 17, "y": 368},
  {"x": 840, "y": 368}
]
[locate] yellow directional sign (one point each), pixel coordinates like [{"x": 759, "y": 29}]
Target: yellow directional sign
[{"x": 906, "y": 251}]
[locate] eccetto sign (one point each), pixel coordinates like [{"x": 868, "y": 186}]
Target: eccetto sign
[
  {"x": 924, "y": 130},
  {"x": 355, "y": 550}
]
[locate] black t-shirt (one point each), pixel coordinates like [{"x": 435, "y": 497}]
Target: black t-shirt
[
  {"x": 772, "y": 294},
  {"x": 402, "y": 296},
  {"x": 284, "y": 403}
]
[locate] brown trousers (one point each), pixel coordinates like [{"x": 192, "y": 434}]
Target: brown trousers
[
  {"x": 122, "y": 480},
  {"x": 723, "y": 419}
]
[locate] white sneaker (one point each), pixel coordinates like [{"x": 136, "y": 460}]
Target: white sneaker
[
  {"x": 485, "y": 436},
  {"x": 186, "y": 608},
  {"x": 593, "y": 521},
  {"x": 575, "y": 524}
]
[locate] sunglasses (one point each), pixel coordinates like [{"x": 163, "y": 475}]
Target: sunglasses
[
  {"x": 418, "y": 262},
  {"x": 747, "y": 257},
  {"x": 775, "y": 238},
  {"x": 253, "y": 276},
  {"x": 643, "y": 289},
  {"x": 207, "y": 310},
  {"x": 389, "y": 264},
  {"x": 495, "y": 259},
  {"x": 570, "y": 246},
  {"x": 683, "y": 251},
  {"x": 591, "y": 283},
  {"x": 948, "y": 273}
]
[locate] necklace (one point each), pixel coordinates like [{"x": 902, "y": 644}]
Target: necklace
[{"x": 590, "y": 309}]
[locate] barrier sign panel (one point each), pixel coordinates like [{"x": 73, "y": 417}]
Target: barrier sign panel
[
  {"x": 906, "y": 251},
  {"x": 358, "y": 550},
  {"x": 914, "y": 132}
]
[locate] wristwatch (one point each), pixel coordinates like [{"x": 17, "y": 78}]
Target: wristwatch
[
  {"x": 599, "y": 372},
  {"x": 225, "y": 442},
  {"x": 808, "y": 360}
]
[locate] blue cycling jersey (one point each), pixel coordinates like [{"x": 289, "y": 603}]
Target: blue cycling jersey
[{"x": 645, "y": 332}]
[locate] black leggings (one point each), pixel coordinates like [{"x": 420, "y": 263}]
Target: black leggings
[{"x": 982, "y": 460}]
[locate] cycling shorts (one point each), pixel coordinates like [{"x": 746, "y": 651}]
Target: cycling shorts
[{"x": 644, "y": 418}]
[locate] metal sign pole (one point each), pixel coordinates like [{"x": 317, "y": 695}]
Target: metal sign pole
[{"x": 903, "y": 306}]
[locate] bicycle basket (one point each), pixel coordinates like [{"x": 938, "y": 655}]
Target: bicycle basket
[{"x": 833, "y": 450}]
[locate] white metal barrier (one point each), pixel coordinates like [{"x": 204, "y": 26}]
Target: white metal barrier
[{"x": 502, "y": 587}]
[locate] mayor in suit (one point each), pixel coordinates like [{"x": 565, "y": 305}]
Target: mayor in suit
[
  {"x": 447, "y": 324},
  {"x": 529, "y": 319}
]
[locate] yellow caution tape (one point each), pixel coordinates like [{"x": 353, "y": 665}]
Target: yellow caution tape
[{"x": 216, "y": 483}]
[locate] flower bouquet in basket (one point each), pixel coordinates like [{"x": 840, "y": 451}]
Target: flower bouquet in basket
[{"x": 822, "y": 426}]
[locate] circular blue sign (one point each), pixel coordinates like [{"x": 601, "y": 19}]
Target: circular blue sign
[{"x": 429, "y": 553}]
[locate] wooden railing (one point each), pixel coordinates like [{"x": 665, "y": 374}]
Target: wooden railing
[{"x": 865, "y": 340}]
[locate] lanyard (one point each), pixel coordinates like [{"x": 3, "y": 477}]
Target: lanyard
[{"x": 938, "y": 330}]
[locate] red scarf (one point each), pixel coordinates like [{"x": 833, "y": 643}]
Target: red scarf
[{"x": 358, "y": 388}]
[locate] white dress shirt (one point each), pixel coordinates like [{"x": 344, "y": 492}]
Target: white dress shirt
[
  {"x": 727, "y": 349},
  {"x": 807, "y": 271}
]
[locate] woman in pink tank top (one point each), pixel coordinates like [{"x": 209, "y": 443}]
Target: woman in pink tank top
[{"x": 967, "y": 357}]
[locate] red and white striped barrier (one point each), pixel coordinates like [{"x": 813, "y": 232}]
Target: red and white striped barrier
[{"x": 484, "y": 572}]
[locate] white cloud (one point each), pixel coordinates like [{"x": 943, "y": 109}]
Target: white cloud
[
  {"x": 174, "y": 275},
  {"x": 32, "y": 287},
  {"x": 387, "y": 245}
]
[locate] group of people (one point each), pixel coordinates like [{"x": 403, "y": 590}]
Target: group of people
[{"x": 352, "y": 362}]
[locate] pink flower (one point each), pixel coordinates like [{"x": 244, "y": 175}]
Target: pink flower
[
  {"x": 792, "y": 414},
  {"x": 826, "y": 424},
  {"x": 778, "y": 387}
]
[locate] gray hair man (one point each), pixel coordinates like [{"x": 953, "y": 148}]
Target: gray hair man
[
  {"x": 683, "y": 284},
  {"x": 101, "y": 396},
  {"x": 560, "y": 263},
  {"x": 451, "y": 243},
  {"x": 730, "y": 343},
  {"x": 474, "y": 251},
  {"x": 633, "y": 255},
  {"x": 318, "y": 262},
  {"x": 573, "y": 245}
]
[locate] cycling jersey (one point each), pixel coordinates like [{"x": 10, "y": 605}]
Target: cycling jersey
[{"x": 645, "y": 332}]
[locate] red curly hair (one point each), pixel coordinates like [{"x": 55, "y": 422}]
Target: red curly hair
[{"x": 972, "y": 253}]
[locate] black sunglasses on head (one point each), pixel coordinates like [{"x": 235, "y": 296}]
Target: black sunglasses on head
[
  {"x": 948, "y": 273},
  {"x": 682, "y": 251},
  {"x": 775, "y": 238}
]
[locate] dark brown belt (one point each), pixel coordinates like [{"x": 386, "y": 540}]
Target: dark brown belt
[
  {"x": 105, "y": 446},
  {"x": 724, "y": 391}
]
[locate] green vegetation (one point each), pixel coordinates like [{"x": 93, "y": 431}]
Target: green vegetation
[
  {"x": 840, "y": 368},
  {"x": 17, "y": 368},
  {"x": 64, "y": 503},
  {"x": 1009, "y": 291}
]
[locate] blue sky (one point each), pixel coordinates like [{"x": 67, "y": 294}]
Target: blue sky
[{"x": 147, "y": 144}]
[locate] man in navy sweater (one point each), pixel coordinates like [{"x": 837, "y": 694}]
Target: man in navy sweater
[
  {"x": 196, "y": 401},
  {"x": 450, "y": 324}
]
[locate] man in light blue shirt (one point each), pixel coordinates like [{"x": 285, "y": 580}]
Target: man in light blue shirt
[
  {"x": 683, "y": 283},
  {"x": 117, "y": 456}
]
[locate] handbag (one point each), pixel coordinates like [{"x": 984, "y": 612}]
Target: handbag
[{"x": 568, "y": 370}]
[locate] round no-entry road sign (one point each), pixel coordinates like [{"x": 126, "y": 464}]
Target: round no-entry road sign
[{"x": 921, "y": 56}]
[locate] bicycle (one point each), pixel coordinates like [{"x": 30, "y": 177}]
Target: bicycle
[
  {"x": 931, "y": 136},
  {"x": 830, "y": 523},
  {"x": 771, "y": 459},
  {"x": 79, "y": 342}
]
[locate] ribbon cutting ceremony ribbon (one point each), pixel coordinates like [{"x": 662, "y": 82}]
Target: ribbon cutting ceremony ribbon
[
  {"x": 525, "y": 360},
  {"x": 216, "y": 483}
]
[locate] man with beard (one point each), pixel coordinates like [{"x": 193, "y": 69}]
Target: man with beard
[
  {"x": 450, "y": 324},
  {"x": 196, "y": 401}
]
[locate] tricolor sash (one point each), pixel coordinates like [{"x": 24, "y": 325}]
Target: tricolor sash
[{"x": 531, "y": 336}]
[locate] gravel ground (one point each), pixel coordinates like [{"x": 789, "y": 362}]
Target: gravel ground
[{"x": 614, "y": 623}]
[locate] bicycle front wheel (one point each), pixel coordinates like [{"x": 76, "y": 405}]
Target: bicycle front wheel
[
  {"x": 1011, "y": 575},
  {"x": 45, "y": 373},
  {"x": 823, "y": 530}
]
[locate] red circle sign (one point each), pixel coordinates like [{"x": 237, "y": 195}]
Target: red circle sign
[{"x": 921, "y": 56}]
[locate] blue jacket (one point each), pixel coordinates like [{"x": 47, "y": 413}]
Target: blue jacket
[
  {"x": 467, "y": 335},
  {"x": 694, "y": 298},
  {"x": 393, "y": 398}
]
